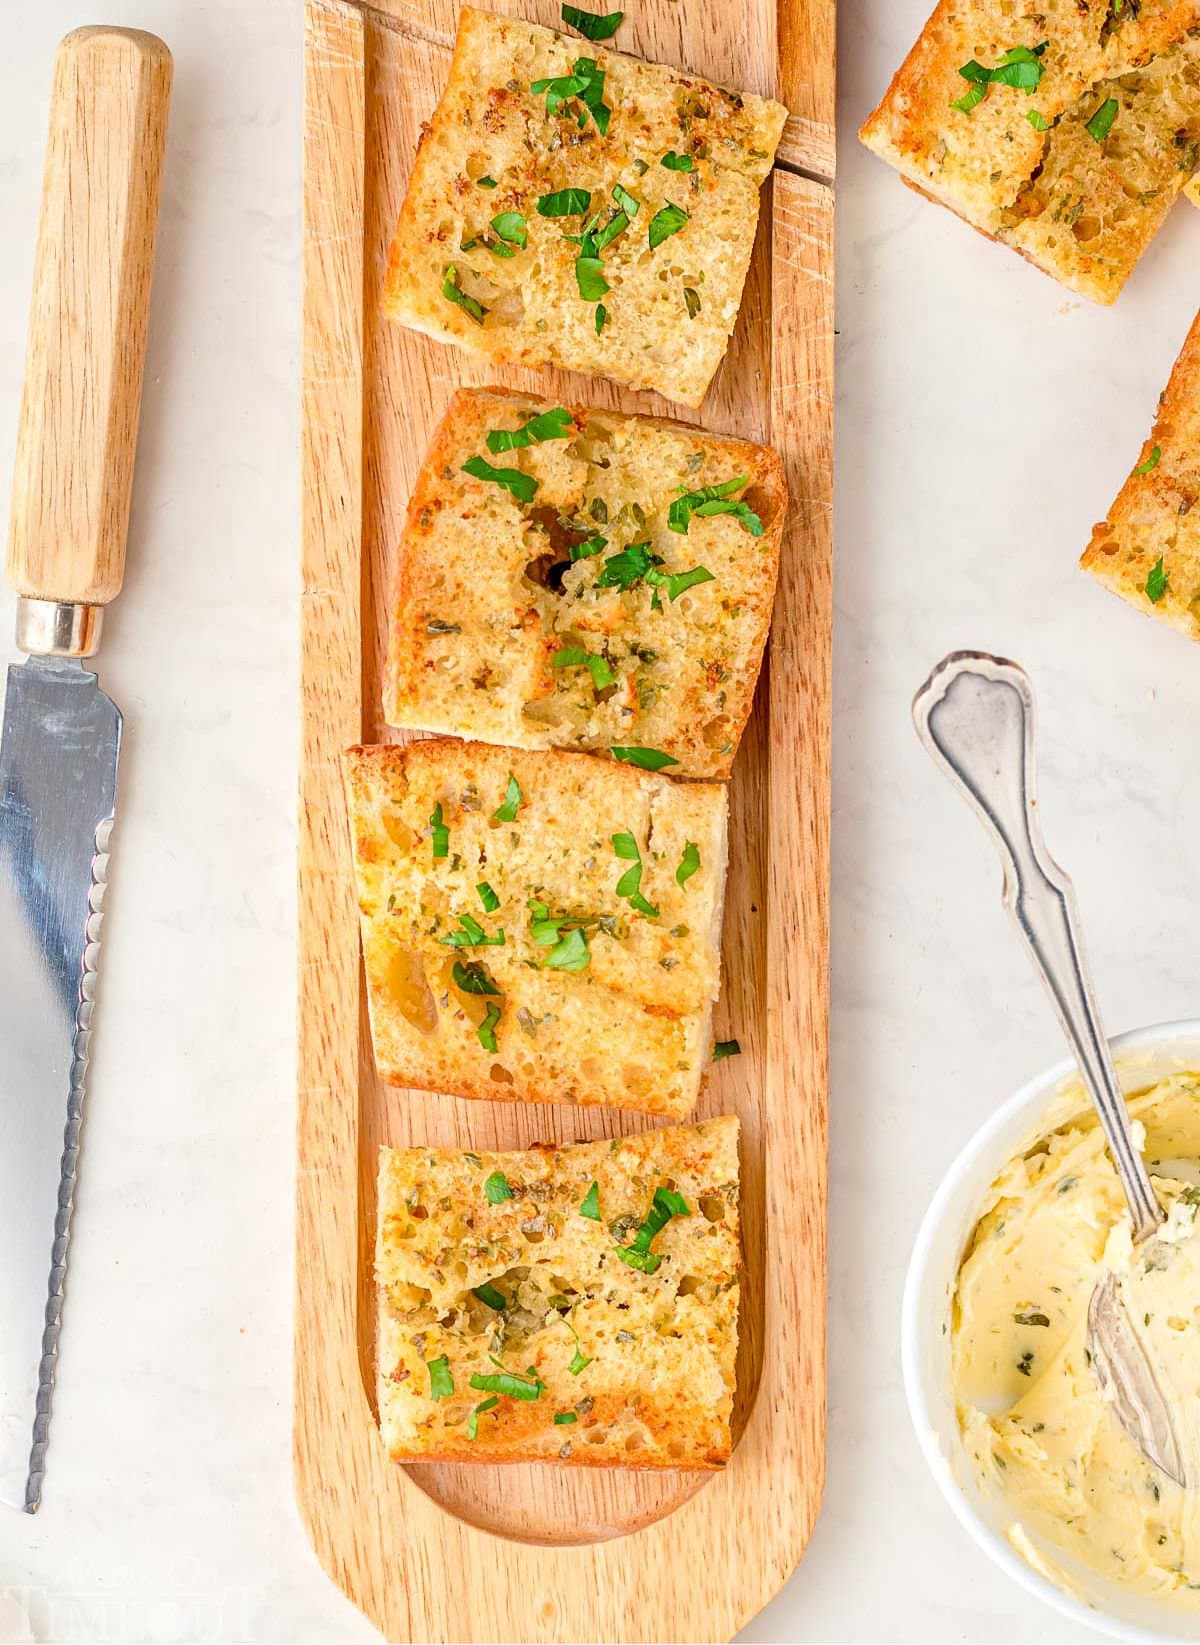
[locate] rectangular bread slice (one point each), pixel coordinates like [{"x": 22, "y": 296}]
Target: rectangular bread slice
[
  {"x": 538, "y": 927},
  {"x": 1148, "y": 549},
  {"x": 647, "y": 291},
  {"x": 1077, "y": 163},
  {"x": 513, "y": 1329},
  {"x": 556, "y": 607}
]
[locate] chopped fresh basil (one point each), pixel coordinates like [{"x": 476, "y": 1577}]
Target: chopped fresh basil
[
  {"x": 726, "y": 1048},
  {"x": 470, "y": 934},
  {"x": 677, "y": 582},
  {"x": 649, "y": 759},
  {"x": 547, "y": 425},
  {"x": 588, "y": 547},
  {"x": 677, "y": 162},
  {"x": 586, "y": 83},
  {"x": 1037, "y": 120},
  {"x": 491, "y": 1297},
  {"x": 629, "y": 885},
  {"x": 521, "y": 486},
  {"x": 564, "y": 202},
  {"x": 563, "y": 1418},
  {"x": 667, "y": 1203},
  {"x": 440, "y": 832},
  {"x": 512, "y": 800},
  {"x": 473, "y": 1419},
  {"x": 510, "y": 226},
  {"x": 665, "y": 222},
  {"x": 574, "y": 656},
  {"x": 1151, "y": 461},
  {"x": 486, "y": 1032},
  {"x": 601, "y": 318},
  {"x": 597, "y": 26},
  {"x": 590, "y": 1205},
  {"x": 688, "y": 863},
  {"x": 487, "y": 897},
  {"x": 711, "y": 500},
  {"x": 454, "y": 293},
  {"x": 474, "y": 978},
  {"x": 441, "y": 1382},
  {"x": 1157, "y": 582},
  {"x": 570, "y": 953},
  {"x": 1101, "y": 123},
  {"x": 970, "y": 99},
  {"x": 486, "y": 182},
  {"x": 508, "y": 1382},
  {"x": 589, "y": 277},
  {"x": 579, "y": 1361},
  {"x": 602, "y": 238},
  {"x": 1019, "y": 67},
  {"x": 628, "y": 567},
  {"x": 626, "y": 201},
  {"x": 496, "y": 1189}
]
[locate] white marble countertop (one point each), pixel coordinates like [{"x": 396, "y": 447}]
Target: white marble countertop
[{"x": 985, "y": 421}]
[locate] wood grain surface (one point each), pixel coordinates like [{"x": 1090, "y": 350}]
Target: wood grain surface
[
  {"x": 78, "y": 427},
  {"x": 606, "y": 1554}
]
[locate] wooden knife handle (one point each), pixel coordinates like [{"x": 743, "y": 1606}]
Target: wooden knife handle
[{"x": 87, "y": 329}]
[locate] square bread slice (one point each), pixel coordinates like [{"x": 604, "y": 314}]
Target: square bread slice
[
  {"x": 573, "y": 206},
  {"x": 545, "y": 600},
  {"x": 1075, "y": 152},
  {"x": 530, "y": 1311},
  {"x": 538, "y": 927},
  {"x": 1148, "y": 549}
]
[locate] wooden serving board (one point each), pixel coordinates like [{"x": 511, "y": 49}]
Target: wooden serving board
[{"x": 590, "y": 1554}]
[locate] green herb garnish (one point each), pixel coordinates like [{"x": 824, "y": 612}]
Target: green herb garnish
[
  {"x": 547, "y": 425},
  {"x": 1020, "y": 68},
  {"x": 454, "y": 293},
  {"x": 508, "y": 1382},
  {"x": 1151, "y": 461},
  {"x": 441, "y": 1383},
  {"x": 570, "y": 953},
  {"x": 589, "y": 277},
  {"x": 512, "y": 801},
  {"x": 441, "y": 834},
  {"x": 1038, "y": 121},
  {"x": 496, "y": 1189},
  {"x": 626, "y": 201},
  {"x": 601, "y": 318},
  {"x": 711, "y": 500},
  {"x": 1101, "y": 123},
  {"x": 590, "y": 546},
  {"x": 629, "y": 885},
  {"x": 486, "y": 182},
  {"x": 590, "y": 1205},
  {"x": 677, "y": 162},
  {"x": 522, "y": 486},
  {"x": 487, "y": 897},
  {"x": 486, "y": 1032},
  {"x": 586, "y": 83},
  {"x": 564, "y": 202},
  {"x": 563, "y": 1418},
  {"x": 595, "y": 26},
  {"x": 726, "y": 1048},
  {"x": 629, "y": 567},
  {"x": 470, "y": 934},
  {"x": 491, "y": 1297},
  {"x": 1157, "y": 582},
  {"x": 473, "y": 1419},
  {"x": 665, "y": 222},
  {"x": 677, "y": 582},
  {"x": 474, "y": 978},
  {"x": 574, "y": 656},
  {"x": 667, "y": 1203},
  {"x": 648, "y": 759},
  {"x": 688, "y": 863}
]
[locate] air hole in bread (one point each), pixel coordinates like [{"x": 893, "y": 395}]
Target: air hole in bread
[
  {"x": 547, "y": 571},
  {"x": 500, "y": 1073},
  {"x": 635, "y": 1440},
  {"x": 397, "y": 830},
  {"x": 409, "y": 988},
  {"x": 688, "y": 1286},
  {"x": 596, "y": 1435}
]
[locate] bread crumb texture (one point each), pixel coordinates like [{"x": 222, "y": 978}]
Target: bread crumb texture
[
  {"x": 639, "y": 275},
  {"x": 504, "y": 1268},
  {"x": 538, "y": 927},
  {"x": 572, "y": 614},
  {"x": 1077, "y": 164},
  {"x": 1156, "y": 516}
]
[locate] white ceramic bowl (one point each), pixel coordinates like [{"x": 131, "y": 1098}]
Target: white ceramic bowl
[{"x": 1140, "y": 1057}]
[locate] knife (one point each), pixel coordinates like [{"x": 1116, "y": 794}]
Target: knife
[{"x": 61, "y": 735}]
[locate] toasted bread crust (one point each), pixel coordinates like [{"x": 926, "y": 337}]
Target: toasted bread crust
[
  {"x": 490, "y": 123},
  {"x": 628, "y": 1023},
  {"x": 487, "y": 600},
  {"x": 1155, "y": 515},
  {"x": 1080, "y": 208},
  {"x": 653, "y": 1354}
]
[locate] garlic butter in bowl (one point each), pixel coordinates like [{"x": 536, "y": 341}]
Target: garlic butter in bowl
[{"x": 1007, "y": 1405}]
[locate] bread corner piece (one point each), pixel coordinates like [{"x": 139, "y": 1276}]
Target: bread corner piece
[
  {"x": 526, "y": 934},
  {"x": 1148, "y": 549},
  {"x": 1077, "y": 163},
  {"x": 574, "y": 1305},
  {"x": 598, "y": 580},
  {"x": 482, "y": 254}
]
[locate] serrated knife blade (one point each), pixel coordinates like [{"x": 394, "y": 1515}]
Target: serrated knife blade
[
  {"x": 58, "y": 774},
  {"x": 61, "y": 736}
]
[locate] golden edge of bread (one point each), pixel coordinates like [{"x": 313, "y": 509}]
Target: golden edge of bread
[
  {"x": 1154, "y": 490},
  {"x": 725, "y": 1129},
  {"x": 357, "y": 763},
  {"x": 403, "y": 704}
]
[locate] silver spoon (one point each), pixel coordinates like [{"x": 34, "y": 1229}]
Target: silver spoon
[{"x": 975, "y": 715}]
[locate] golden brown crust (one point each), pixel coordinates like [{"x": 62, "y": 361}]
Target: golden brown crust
[
  {"x": 1156, "y": 515},
  {"x": 1079, "y": 207},
  {"x": 628, "y": 1023},
  {"x": 640, "y": 1366},
  {"x": 490, "y": 123},
  {"x": 487, "y": 599}
]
